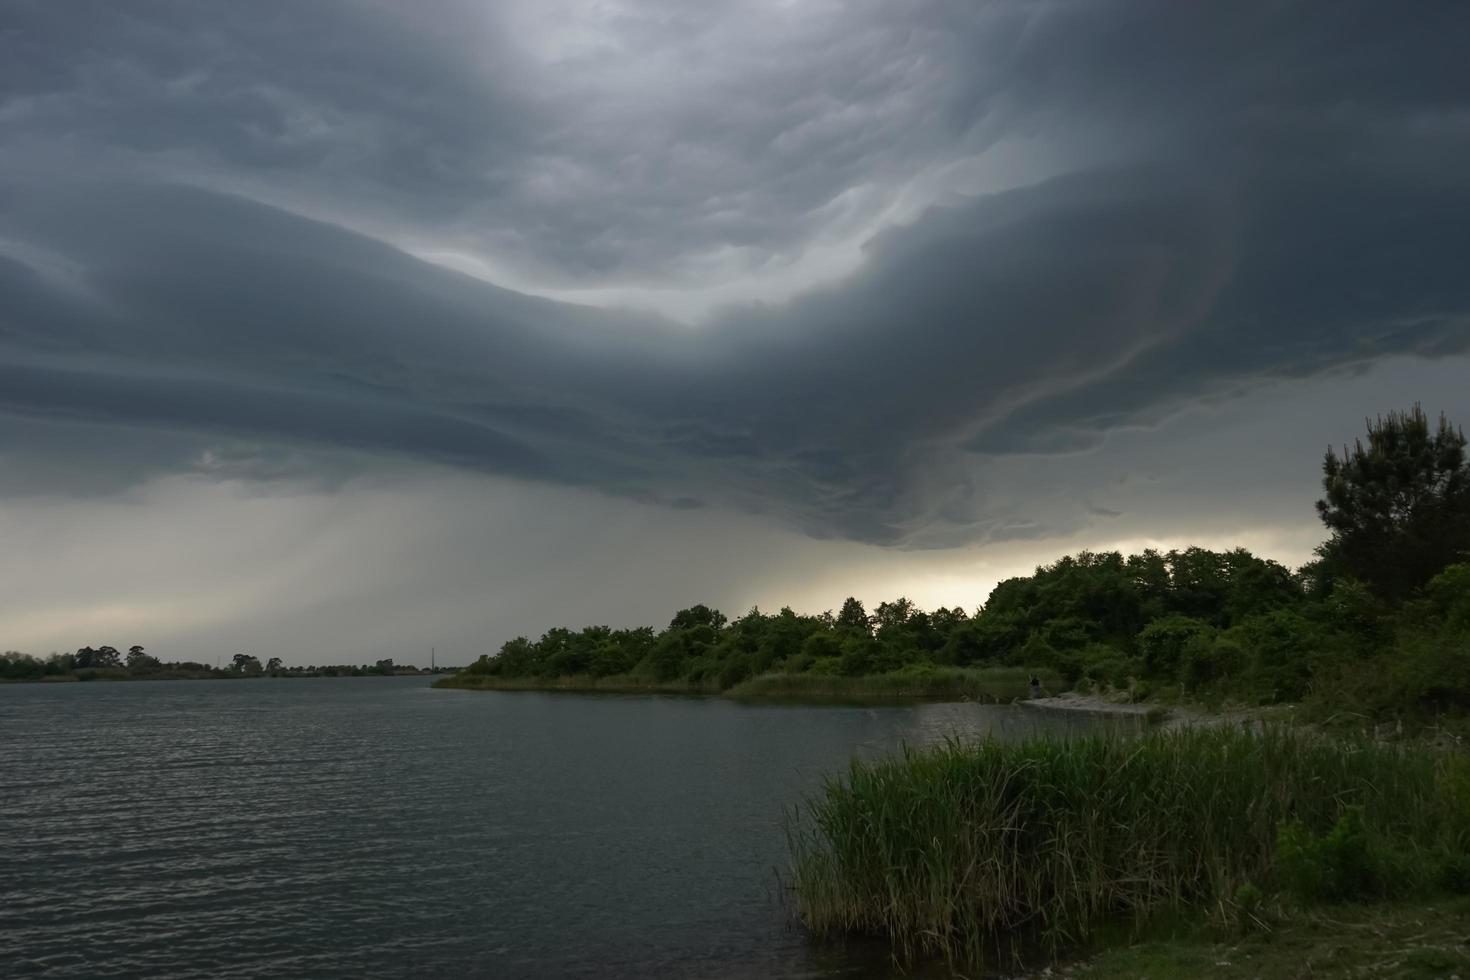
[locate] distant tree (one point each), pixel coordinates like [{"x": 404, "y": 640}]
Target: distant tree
[
  {"x": 273, "y": 664},
  {"x": 619, "y": 651},
  {"x": 99, "y": 657},
  {"x": 245, "y": 663},
  {"x": 15, "y": 665},
  {"x": 516, "y": 657},
  {"x": 1148, "y": 574},
  {"x": 893, "y": 615},
  {"x": 384, "y": 666},
  {"x": 138, "y": 660},
  {"x": 1399, "y": 507},
  {"x": 700, "y": 615},
  {"x": 858, "y": 655},
  {"x": 668, "y": 655},
  {"x": 853, "y": 616},
  {"x": 820, "y": 646},
  {"x": 946, "y": 620}
]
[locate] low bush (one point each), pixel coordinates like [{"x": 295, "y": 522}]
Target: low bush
[{"x": 1345, "y": 863}]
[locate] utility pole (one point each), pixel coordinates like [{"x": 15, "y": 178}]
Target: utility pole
[{"x": 431, "y": 660}]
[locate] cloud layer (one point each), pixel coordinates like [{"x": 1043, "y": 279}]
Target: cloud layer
[{"x": 839, "y": 265}]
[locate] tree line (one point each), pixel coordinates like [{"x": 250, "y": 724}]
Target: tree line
[
  {"x": 106, "y": 662},
  {"x": 1378, "y": 622}
]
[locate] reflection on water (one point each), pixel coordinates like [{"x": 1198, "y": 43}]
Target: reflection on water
[{"x": 375, "y": 827}]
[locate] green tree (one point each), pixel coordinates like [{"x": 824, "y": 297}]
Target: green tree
[
  {"x": 1163, "y": 643},
  {"x": 273, "y": 664},
  {"x": 820, "y": 646},
  {"x": 100, "y": 657},
  {"x": 700, "y": 615},
  {"x": 667, "y": 658},
  {"x": 517, "y": 658},
  {"x": 1399, "y": 507},
  {"x": 1449, "y": 596},
  {"x": 138, "y": 660},
  {"x": 853, "y": 616},
  {"x": 893, "y": 615},
  {"x": 245, "y": 663}
]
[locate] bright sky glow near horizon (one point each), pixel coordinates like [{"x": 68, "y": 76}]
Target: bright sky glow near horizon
[{"x": 337, "y": 331}]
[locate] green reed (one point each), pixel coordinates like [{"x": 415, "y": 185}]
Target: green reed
[{"x": 967, "y": 850}]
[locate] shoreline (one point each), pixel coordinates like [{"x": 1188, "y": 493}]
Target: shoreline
[
  {"x": 1002, "y": 685},
  {"x": 1090, "y": 703},
  {"x": 572, "y": 685},
  {"x": 1175, "y": 716},
  {"x": 878, "y": 689}
]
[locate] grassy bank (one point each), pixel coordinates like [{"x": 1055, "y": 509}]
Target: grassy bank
[
  {"x": 996, "y": 684},
  {"x": 964, "y": 850},
  {"x": 999, "y": 684},
  {"x": 615, "y": 684},
  {"x": 1425, "y": 939}
]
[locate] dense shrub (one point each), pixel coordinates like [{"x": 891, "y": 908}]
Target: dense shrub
[
  {"x": 1279, "y": 647},
  {"x": 1209, "y": 658},
  {"x": 1109, "y": 666},
  {"x": 1162, "y": 643}
]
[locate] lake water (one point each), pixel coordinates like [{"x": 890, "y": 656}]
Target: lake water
[{"x": 373, "y": 827}]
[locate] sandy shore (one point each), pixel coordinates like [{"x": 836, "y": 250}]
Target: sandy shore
[
  {"x": 1166, "y": 716},
  {"x": 1088, "y": 702}
]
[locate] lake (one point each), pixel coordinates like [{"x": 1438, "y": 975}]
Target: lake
[{"x": 374, "y": 827}]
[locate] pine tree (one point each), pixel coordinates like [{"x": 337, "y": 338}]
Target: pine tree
[{"x": 1399, "y": 507}]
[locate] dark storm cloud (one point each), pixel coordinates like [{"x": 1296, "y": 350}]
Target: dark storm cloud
[
  {"x": 1334, "y": 268},
  {"x": 1238, "y": 194},
  {"x": 686, "y": 129}
]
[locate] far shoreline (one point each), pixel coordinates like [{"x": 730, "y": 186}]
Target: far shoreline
[{"x": 114, "y": 678}]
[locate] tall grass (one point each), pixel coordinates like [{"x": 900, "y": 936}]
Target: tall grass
[
  {"x": 940, "y": 683},
  {"x": 965, "y": 851}
]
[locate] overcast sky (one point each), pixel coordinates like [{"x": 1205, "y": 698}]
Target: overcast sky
[{"x": 336, "y": 330}]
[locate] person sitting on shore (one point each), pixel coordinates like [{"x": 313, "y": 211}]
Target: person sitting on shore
[{"x": 1035, "y": 686}]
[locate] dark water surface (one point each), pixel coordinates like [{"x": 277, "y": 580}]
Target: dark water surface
[{"x": 373, "y": 827}]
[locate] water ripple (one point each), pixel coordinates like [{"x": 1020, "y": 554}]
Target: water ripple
[{"x": 373, "y": 828}]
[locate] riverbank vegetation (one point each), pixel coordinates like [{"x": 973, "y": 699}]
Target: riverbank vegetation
[
  {"x": 589, "y": 683},
  {"x": 916, "y": 681},
  {"x": 1202, "y": 624},
  {"x": 1375, "y": 630},
  {"x": 961, "y": 851}
]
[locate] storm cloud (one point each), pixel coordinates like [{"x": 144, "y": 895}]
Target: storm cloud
[{"x": 847, "y": 269}]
